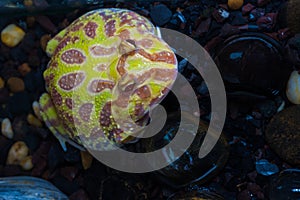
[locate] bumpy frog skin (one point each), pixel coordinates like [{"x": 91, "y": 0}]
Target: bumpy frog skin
[{"x": 108, "y": 59}]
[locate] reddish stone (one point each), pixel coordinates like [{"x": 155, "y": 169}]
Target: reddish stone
[
  {"x": 71, "y": 80},
  {"x": 268, "y": 21},
  {"x": 69, "y": 172},
  {"x": 79, "y": 195},
  {"x": 73, "y": 56},
  {"x": 247, "y": 8},
  {"x": 90, "y": 29},
  {"x": 261, "y": 3},
  {"x": 46, "y": 23}
]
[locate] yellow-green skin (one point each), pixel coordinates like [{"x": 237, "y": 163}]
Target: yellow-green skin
[{"x": 106, "y": 70}]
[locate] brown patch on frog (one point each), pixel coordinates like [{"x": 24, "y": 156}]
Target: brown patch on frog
[
  {"x": 90, "y": 29},
  {"x": 73, "y": 56},
  {"x": 69, "y": 103},
  {"x": 76, "y": 27},
  {"x": 115, "y": 135},
  {"x": 105, "y": 114},
  {"x": 85, "y": 111},
  {"x": 143, "y": 77},
  {"x": 124, "y": 34},
  {"x": 97, "y": 86},
  {"x": 104, "y": 16},
  {"x": 63, "y": 43},
  {"x": 71, "y": 118},
  {"x": 96, "y": 133},
  {"x": 53, "y": 64},
  {"x": 49, "y": 79},
  {"x": 56, "y": 98},
  {"x": 110, "y": 28},
  {"x": 143, "y": 92},
  {"x": 146, "y": 43},
  {"x": 139, "y": 111},
  {"x": 123, "y": 19},
  {"x": 70, "y": 81},
  {"x": 98, "y": 50},
  {"x": 121, "y": 101},
  {"x": 163, "y": 74}
]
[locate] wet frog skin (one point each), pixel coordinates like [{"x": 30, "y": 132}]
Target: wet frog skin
[{"x": 106, "y": 60}]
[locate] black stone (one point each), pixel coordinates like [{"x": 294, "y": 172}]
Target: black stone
[
  {"x": 55, "y": 156},
  {"x": 19, "y": 103}
]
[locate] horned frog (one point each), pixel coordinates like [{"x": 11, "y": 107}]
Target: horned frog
[{"x": 108, "y": 63}]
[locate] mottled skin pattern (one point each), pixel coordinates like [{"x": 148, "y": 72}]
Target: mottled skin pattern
[{"x": 108, "y": 59}]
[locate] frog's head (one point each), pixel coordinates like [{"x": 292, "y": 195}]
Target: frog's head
[{"x": 109, "y": 64}]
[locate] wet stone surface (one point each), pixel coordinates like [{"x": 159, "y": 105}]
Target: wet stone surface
[{"x": 255, "y": 52}]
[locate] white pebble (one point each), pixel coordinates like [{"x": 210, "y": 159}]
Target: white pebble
[
  {"x": 6, "y": 128},
  {"x": 293, "y": 88}
]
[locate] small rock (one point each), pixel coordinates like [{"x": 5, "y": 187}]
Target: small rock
[
  {"x": 40, "y": 3},
  {"x": 26, "y": 163},
  {"x": 285, "y": 185},
  {"x": 15, "y": 84},
  {"x": 282, "y": 134},
  {"x": 12, "y": 170},
  {"x": 20, "y": 127},
  {"x": 4, "y": 95},
  {"x": 247, "y": 8},
  {"x": 220, "y": 15},
  {"x": 33, "y": 141},
  {"x": 2, "y": 83},
  {"x": 44, "y": 41},
  {"x": 5, "y": 145},
  {"x": 86, "y": 159},
  {"x": 202, "y": 27},
  {"x": 257, "y": 13},
  {"x": 79, "y": 195},
  {"x": 284, "y": 34},
  {"x": 17, "y": 153},
  {"x": 38, "y": 158},
  {"x": 64, "y": 185},
  {"x": 12, "y": 35},
  {"x": 32, "y": 120},
  {"x": 24, "y": 69},
  {"x": 28, "y": 3},
  {"x": 235, "y": 4},
  {"x": 19, "y": 103},
  {"x": 72, "y": 155},
  {"x": 34, "y": 60},
  {"x": 69, "y": 172},
  {"x": 293, "y": 90},
  {"x": 55, "y": 156},
  {"x": 267, "y": 22},
  {"x": 266, "y": 168},
  {"x": 46, "y": 23},
  {"x": 238, "y": 19},
  {"x": 261, "y": 3},
  {"x": 30, "y": 21},
  {"x": 36, "y": 110},
  {"x": 6, "y": 128},
  {"x": 8, "y": 70}
]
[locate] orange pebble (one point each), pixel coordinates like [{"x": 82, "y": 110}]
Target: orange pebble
[{"x": 24, "y": 69}]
